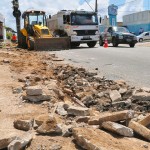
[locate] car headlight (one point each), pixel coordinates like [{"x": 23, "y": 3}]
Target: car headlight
[
  {"x": 74, "y": 33},
  {"x": 97, "y": 33},
  {"x": 120, "y": 36}
]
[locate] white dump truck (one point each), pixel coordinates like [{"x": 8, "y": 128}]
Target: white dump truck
[
  {"x": 79, "y": 26},
  {"x": 1, "y": 28}
]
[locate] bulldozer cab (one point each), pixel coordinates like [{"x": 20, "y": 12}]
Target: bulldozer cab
[
  {"x": 32, "y": 18},
  {"x": 37, "y": 36}
]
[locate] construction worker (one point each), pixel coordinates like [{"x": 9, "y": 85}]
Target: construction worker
[{"x": 14, "y": 38}]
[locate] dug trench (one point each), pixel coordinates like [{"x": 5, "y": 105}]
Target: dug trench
[{"x": 46, "y": 104}]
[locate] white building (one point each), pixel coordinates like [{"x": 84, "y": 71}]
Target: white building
[{"x": 137, "y": 20}]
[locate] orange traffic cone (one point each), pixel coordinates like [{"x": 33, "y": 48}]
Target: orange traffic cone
[{"x": 106, "y": 44}]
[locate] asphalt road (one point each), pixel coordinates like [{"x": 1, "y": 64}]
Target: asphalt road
[{"x": 123, "y": 62}]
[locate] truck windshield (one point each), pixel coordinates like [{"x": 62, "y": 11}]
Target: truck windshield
[
  {"x": 37, "y": 19},
  {"x": 121, "y": 29},
  {"x": 84, "y": 19}
]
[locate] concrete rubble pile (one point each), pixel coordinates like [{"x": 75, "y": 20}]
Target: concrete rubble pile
[{"x": 88, "y": 106}]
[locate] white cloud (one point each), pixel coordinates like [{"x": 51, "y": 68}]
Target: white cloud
[
  {"x": 130, "y": 7},
  {"x": 52, "y": 6}
]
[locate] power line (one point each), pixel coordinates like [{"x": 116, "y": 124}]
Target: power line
[{"x": 89, "y": 4}]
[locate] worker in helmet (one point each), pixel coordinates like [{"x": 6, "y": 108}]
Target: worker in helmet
[{"x": 14, "y": 38}]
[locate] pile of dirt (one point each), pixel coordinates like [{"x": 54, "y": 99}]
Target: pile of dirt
[{"x": 74, "y": 92}]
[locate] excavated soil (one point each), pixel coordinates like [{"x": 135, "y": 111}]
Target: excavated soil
[{"x": 15, "y": 67}]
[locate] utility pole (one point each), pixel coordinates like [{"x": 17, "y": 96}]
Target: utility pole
[
  {"x": 96, "y": 6},
  {"x": 17, "y": 15}
]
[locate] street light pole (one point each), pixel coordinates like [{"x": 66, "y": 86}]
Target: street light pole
[
  {"x": 17, "y": 15},
  {"x": 96, "y": 6}
]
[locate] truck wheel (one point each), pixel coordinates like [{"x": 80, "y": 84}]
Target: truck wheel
[
  {"x": 23, "y": 43},
  {"x": 114, "y": 42},
  {"x": 101, "y": 43},
  {"x": 132, "y": 44},
  {"x": 75, "y": 44},
  {"x": 30, "y": 44},
  {"x": 91, "y": 44}
]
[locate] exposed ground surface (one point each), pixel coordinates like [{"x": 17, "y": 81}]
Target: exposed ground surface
[{"x": 12, "y": 75}]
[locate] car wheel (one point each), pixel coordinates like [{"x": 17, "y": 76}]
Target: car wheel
[
  {"x": 75, "y": 44},
  {"x": 140, "y": 40},
  {"x": 91, "y": 44},
  {"x": 114, "y": 42},
  {"x": 101, "y": 43},
  {"x": 132, "y": 44}
]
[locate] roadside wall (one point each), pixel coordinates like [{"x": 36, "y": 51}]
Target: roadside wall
[{"x": 137, "y": 20}]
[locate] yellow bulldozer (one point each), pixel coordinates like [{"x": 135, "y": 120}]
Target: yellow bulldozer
[{"x": 36, "y": 36}]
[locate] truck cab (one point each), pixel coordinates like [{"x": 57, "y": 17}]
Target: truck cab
[{"x": 79, "y": 26}]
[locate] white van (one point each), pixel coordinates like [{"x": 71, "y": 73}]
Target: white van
[{"x": 143, "y": 36}]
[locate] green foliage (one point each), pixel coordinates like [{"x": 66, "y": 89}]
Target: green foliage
[{"x": 8, "y": 35}]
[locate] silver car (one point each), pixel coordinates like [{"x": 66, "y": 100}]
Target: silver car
[{"x": 143, "y": 36}]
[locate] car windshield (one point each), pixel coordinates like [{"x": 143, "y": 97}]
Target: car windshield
[
  {"x": 121, "y": 29},
  {"x": 84, "y": 19}
]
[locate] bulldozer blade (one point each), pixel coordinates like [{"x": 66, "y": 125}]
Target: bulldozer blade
[{"x": 60, "y": 43}]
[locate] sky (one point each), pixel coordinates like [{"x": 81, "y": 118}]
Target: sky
[{"x": 51, "y": 7}]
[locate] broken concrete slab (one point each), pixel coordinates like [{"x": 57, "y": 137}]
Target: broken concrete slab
[
  {"x": 20, "y": 142},
  {"x": 78, "y": 111},
  {"x": 145, "y": 121},
  {"x": 50, "y": 126},
  {"x": 38, "y": 98},
  {"x": 144, "y": 96},
  {"x": 140, "y": 129},
  {"x": 60, "y": 109},
  {"x": 114, "y": 116},
  {"x": 117, "y": 128},
  {"x": 24, "y": 123},
  {"x": 34, "y": 90},
  {"x": 115, "y": 95},
  {"x": 82, "y": 119},
  {"x": 96, "y": 139},
  {"x": 41, "y": 118},
  {"x": 6, "y": 139}
]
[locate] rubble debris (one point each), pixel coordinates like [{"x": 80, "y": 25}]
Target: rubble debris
[
  {"x": 143, "y": 96},
  {"x": 140, "y": 129},
  {"x": 115, "y": 95},
  {"x": 56, "y": 147},
  {"x": 50, "y": 126},
  {"x": 145, "y": 121},
  {"x": 34, "y": 91},
  {"x": 96, "y": 139},
  {"x": 24, "y": 123},
  {"x": 41, "y": 118},
  {"x": 6, "y": 139},
  {"x": 114, "y": 116},
  {"x": 117, "y": 128},
  {"x": 37, "y": 98},
  {"x": 78, "y": 111},
  {"x": 60, "y": 109},
  {"x": 84, "y": 119},
  {"x": 20, "y": 142},
  {"x": 6, "y": 61}
]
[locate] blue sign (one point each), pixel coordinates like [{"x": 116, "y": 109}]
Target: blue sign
[{"x": 112, "y": 10}]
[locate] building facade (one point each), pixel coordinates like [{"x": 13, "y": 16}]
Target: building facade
[
  {"x": 137, "y": 21},
  {"x": 2, "y": 28}
]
